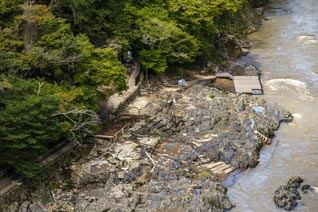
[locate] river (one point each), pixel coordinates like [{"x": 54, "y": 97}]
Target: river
[{"x": 285, "y": 48}]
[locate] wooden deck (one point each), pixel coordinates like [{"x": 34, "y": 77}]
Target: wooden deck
[
  {"x": 248, "y": 84},
  {"x": 244, "y": 84}
]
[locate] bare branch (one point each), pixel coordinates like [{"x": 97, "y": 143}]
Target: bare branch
[
  {"x": 82, "y": 120},
  {"x": 39, "y": 89},
  {"x": 152, "y": 161}
]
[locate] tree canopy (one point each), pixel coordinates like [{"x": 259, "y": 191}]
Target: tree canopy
[{"x": 160, "y": 33}]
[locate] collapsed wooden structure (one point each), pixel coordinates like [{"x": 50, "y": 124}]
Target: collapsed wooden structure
[{"x": 112, "y": 132}]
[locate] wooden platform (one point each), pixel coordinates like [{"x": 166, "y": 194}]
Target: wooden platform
[
  {"x": 244, "y": 84},
  {"x": 248, "y": 85}
]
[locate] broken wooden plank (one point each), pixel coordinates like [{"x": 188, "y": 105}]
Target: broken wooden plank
[
  {"x": 112, "y": 133},
  {"x": 151, "y": 119},
  {"x": 6, "y": 185},
  {"x": 164, "y": 129},
  {"x": 220, "y": 168},
  {"x": 104, "y": 136},
  {"x": 120, "y": 130},
  {"x": 160, "y": 125},
  {"x": 212, "y": 165},
  {"x": 229, "y": 170},
  {"x": 155, "y": 122}
]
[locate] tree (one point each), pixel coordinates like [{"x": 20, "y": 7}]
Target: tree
[
  {"x": 162, "y": 41},
  {"x": 100, "y": 20},
  {"x": 59, "y": 56},
  {"x": 79, "y": 123},
  {"x": 44, "y": 115},
  {"x": 8, "y": 10},
  {"x": 204, "y": 19},
  {"x": 102, "y": 69},
  {"x": 26, "y": 123}
]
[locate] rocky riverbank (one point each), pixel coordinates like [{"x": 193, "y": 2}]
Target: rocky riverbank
[{"x": 159, "y": 163}]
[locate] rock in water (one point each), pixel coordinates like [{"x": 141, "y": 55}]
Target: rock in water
[
  {"x": 306, "y": 188},
  {"x": 286, "y": 197},
  {"x": 295, "y": 182}
]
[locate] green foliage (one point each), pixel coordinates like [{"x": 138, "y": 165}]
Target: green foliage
[
  {"x": 257, "y": 3},
  {"x": 103, "y": 68},
  {"x": 154, "y": 60},
  {"x": 174, "y": 32},
  {"x": 8, "y": 10},
  {"x": 212, "y": 96},
  {"x": 50, "y": 82},
  {"x": 163, "y": 42},
  {"x": 204, "y": 174},
  {"x": 77, "y": 7},
  {"x": 224, "y": 92},
  {"x": 45, "y": 114},
  {"x": 11, "y": 56},
  {"x": 98, "y": 19},
  {"x": 57, "y": 55},
  {"x": 26, "y": 126}
]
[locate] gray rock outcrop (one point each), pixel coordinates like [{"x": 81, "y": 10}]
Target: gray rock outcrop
[{"x": 156, "y": 164}]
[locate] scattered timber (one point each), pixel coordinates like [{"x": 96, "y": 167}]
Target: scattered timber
[{"x": 220, "y": 169}]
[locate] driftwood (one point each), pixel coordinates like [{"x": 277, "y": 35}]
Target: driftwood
[
  {"x": 152, "y": 161},
  {"x": 53, "y": 195}
]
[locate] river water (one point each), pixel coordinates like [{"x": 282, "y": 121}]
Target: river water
[{"x": 286, "y": 50}]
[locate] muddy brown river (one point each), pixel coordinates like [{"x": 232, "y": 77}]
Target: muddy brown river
[{"x": 286, "y": 50}]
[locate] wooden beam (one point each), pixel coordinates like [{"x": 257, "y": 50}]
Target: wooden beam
[
  {"x": 104, "y": 136},
  {"x": 212, "y": 165},
  {"x": 220, "y": 168}
]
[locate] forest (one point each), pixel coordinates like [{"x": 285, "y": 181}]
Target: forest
[{"x": 59, "y": 57}]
